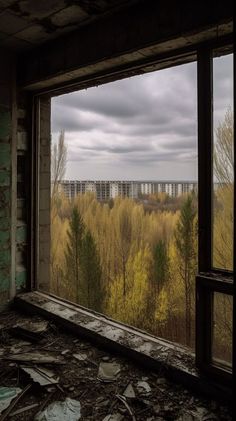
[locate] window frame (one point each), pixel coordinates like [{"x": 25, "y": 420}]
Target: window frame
[
  {"x": 206, "y": 284},
  {"x": 209, "y": 279}
]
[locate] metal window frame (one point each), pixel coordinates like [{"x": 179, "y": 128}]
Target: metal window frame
[
  {"x": 206, "y": 284},
  {"x": 209, "y": 279}
]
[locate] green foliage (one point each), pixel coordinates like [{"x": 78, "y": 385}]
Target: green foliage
[
  {"x": 98, "y": 250},
  {"x": 73, "y": 250},
  {"x": 90, "y": 273},
  {"x": 185, "y": 242},
  {"x": 223, "y": 198},
  {"x": 160, "y": 265},
  {"x": 138, "y": 264}
]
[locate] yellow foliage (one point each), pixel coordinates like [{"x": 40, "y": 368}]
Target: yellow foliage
[
  {"x": 131, "y": 306},
  {"x": 161, "y": 312},
  {"x": 223, "y": 228}
]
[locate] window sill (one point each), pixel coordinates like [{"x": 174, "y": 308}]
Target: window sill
[{"x": 157, "y": 354}]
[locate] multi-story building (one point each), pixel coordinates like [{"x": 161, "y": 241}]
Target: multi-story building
[
  {"x": 109, "y": 189},
  {"x": 172, "y": 188},
  {"x": 104, "y": 190}
]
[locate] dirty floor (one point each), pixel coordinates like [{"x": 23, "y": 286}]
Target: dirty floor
[{"x": 47, "y": 364}]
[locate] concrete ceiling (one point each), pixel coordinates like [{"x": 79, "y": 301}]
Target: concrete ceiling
[{"x": 25, "y": 24}]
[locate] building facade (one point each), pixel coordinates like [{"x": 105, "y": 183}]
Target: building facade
[{"x": 105, "y": 190}]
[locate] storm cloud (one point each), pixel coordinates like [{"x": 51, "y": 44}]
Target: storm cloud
[{"x": 144, "y": 127}]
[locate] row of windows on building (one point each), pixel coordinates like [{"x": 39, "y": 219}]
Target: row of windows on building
[{"x": 106, "y": 190}]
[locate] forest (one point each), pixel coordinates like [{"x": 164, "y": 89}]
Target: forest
[{"x": 137, "y": 263}]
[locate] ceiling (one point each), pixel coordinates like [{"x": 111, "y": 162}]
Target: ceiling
[{"x": 25, "y": 24}]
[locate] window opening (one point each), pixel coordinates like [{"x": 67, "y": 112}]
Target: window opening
[
  {"x": 222, "y": 329},
  {"x": 223, "y": 162},
  {"x": 124, "y": 201}
]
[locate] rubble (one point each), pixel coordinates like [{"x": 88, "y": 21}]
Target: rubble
[
  {"x": 108, "y": 372},
  {"x": 41, "y": 375},
  {"x": 36, "y": 357},
  {"x": 143, "y": 387},
  {"x": 113, "y": 417},
  {"x": 7, "y": 394},
  {"x": 24, "y": 409},
  {"x": 30, "y": 330},
  {"x": 129, "y": 410},
  {"x": 80, "y": 357},
  {"x": 68, "y": 410},
  {"x": 107, "y": 388},
  {"x": 129, "y": 391}
]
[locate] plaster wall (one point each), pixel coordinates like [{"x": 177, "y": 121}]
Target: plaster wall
[{"x": 7, "y": 176}]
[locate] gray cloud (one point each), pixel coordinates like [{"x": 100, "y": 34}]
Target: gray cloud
[{"x": 140, "y": 122}]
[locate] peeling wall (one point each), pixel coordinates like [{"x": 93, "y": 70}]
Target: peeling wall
[
  {"x": 44, "y": 194},
  {"x": 6, "y": 176},
  {"x": 14, "y": 177},
  {"x": 23, "y": 191}
]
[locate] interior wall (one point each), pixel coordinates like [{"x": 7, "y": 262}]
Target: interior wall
[
  {"x": 44, "y": 194},
  {"x": 7, "y": 176},
  {"x": 23, "y": 189},
  {"x": 14, "y": 182}
]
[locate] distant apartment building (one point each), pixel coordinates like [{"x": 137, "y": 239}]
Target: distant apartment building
[
  {"x": 172, "y": 188},
  {"x": 110, "y": 189},
  {"x": 103, "y": 190}
]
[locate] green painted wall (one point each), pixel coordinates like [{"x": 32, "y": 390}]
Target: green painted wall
[
  {"x": 6, "y": 90},
  {"x": 5, "y": 202}
]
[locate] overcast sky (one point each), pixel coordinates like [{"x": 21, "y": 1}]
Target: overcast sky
[{"x": 144, "y": 127}]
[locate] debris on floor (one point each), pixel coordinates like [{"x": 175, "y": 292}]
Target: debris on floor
[
  {"x": 129, "y": 391},
  {"x": 7, "y": 394},
  {"x": 41, "y": 375},
  {"x": 108, "y": 372},
  {"x": 36, "y": 357},
  {"x": 31, "y": 331},
  {"x": 113, "y": 417},
  {"x": 24, "y": 409},
  {"x": 200, "y": 414},
  {"x": 143, "y": 387},
  {"x": 69, "y": 410},
  {"x": 62, "y": 375},
  {"x": 80, "y": 357},
  {"x": 129, "y": 410}
]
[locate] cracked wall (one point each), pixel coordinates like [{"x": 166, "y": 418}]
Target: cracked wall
[
  {"x": 6, "y": 125},
  {"x": 14, "y": 185}
]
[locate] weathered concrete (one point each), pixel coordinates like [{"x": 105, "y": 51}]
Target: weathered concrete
[
  {"x": 26, "y": 23},
  {"x": 155, "y": 353},
  {"x": 13, "y": 170},
  {"x": 7, "y": 123},
  {"x": 124, "y": 39},
  {"x": 43, "y": 275}
]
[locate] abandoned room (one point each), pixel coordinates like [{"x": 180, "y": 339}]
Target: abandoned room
[{"x": 117, "y": 292}]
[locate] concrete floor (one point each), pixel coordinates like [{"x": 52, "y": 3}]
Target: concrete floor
[{"x": 154, "y": 397}]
